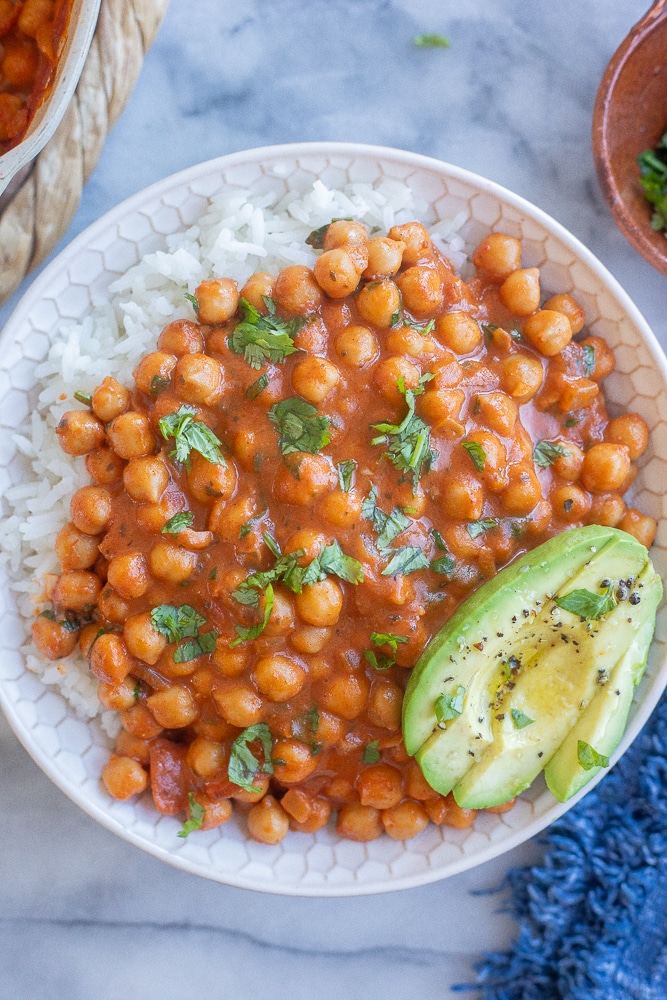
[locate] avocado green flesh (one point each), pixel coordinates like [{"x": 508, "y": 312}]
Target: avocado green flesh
[
  {"x": 603, "y": 723},
  {"x": 487, "y": 755}
]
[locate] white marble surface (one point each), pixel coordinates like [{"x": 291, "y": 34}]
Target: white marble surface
[{"x": 83, "y": 914}]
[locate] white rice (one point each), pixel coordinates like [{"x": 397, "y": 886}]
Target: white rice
[{"x": 237, "y": 235}]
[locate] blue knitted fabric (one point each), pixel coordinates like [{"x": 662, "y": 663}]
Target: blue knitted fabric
[{"x": 593, "y": 916}]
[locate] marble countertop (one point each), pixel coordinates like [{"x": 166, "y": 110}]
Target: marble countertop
[{"x": 84, "y": 914}]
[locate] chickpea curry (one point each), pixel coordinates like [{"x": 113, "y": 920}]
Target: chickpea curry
[
  {"x": 32, "y": 33},
  {"x": 299, "y": 489}
]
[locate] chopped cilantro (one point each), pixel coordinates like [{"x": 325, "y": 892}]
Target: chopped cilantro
[
  {"x": 183, "y": 519},
  {"x": 477, "y": 454},
  {"x": 477, "y": 528},
  {"x": 190, "y": 435},
  {"x": 589, "y": 360},
  {"x": 408, "y": 443},
  {"x": 519, "y": 719},
  {"x": 589, "y": 757},
  {"x": 407, "y": 559},
  {"x": 372, "y": 752},
  {"x": 346, "y": 472},
  {"x": 176, "y": 622},
  {"x": 158, "y": 384},
  {"x": 588, "y": 605},
  {"x": 253, "y": 391},
  {"x": 195, "y": 819},
  {"x": 389, "y": 526},
  {"x": 431, "y": 41},
  {"x": 301, "y": 427},
  {"x": 190, "y": 649},
  {"x": 450, "y": 706},
  {"x": 194, "y": 301},
  {"x": 243, "y": 633},
  {"x": 438, "y": 539},
  {"x": 545, "y": 453},
  {"x": 653, "y": 178},
  {"x": 316, "y": 238},
  {"x": 83, "y": 397},
  {"x": 243, "y": 766},
  {"x": 382, "y": 661},
  {"x": 445, "y": 565},
  {"x": 263, "y": 338}
]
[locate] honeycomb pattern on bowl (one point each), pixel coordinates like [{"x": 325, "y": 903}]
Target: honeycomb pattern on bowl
[{"x": 72, "y": 750}]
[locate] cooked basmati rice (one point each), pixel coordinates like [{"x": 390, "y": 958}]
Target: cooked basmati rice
[{"x": 236, "y": 235}]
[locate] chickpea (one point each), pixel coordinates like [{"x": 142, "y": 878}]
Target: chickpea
[
  {"x": 307, "y": 542},
  {"x": 320, "y": 603},
  {"x": 463, "y": 497},
  {"x": 211, "y": 480},
  {"x": 76, "y": 549},
  {"x": 421, "y": 288},
  {"x": 230, "y": 662},
  {"x": 447, "y": 372},
  {"x": 378, "y": 302},
  {"x": 238, "y": 704},
  {"x": 404, "y": 820},
  {"x": 20, "y": 62},
  {"x": 267, "y": 821},
  {"x": 117, "y": 697},
  {"x": 314, "y": 378},
  {"x": 153, "y": 373},
  {"x": 258, "y": 287},
  {"x": 316, "y": 476},
  {"x": 565, "y": 304},
  {"x": 345, "y": 695},
  {"x": 260, "y": 786},
  {"x": 297, "y": 291},
  {"x": 342, "y": 509},
  {"x": 142, "y": 638},
  {"x": 457, "y": 816},
  {"x": 416, "y": 785},
  {"x": 52, "y": 639},
  {"x": 343, "y": 232},
  {"x": 492, "y": 456},
  {"x": 607, "y": 509},
  {"x": 170, "y": 562},
  {"x": 216, "y": 812},
  {"x": 297, "y": 804},
  {"x": 641, "y": 526},
  {"x": 380, "y": 786},
  {"x": 130, "y": 435},
  {"x": 605, "y": 468},
  {"x": 357, "y": 346},
  {"x": 548, "y": 331},
  {"x": 604, "y": 361},
  {"x": 282, "y": 618},
  {"x": 113, "y": 607},
  {"x": 174, "y": 707},
  {"x": 411, "y": 342},
  {"x": 146, "y": 478},
  {"x": 358, "y": 822},
  {"x": 497, "y": 410},
  {"x": 226, "y": 519},
  {"x": 124, "y": 777},
  {"x": 218, "y": 300},
  {"x": 279, "y": 677},
  {"x": 110, "y": 659},
  {"x": 418, "y": 245},
  {"x": 181, "y": 337},
  {"x": 458, "y": 331},
  {"x": 309, "y": 639},
  {"x": 523, "y": 492},
  {"x": 77, "y": 590},
  {"x": 335, "y": 273},
  {"x": 498, "y": 255},
  {"x": 520, "y": 291},
  {"x": 523, "y": 376},
  {"x": 79, "y": 431},
  {"x": 387, "y": 374},
  {"x": 104, "y": 466},
  {"x": 199, "y": 379},
  {"x": 385, "y": 704},
  {"x": 570, "y": 502},
  {"x": 128, "y": 575},
  {"x": 631, "y": 430},
  {"x": 110, "y": 399},
  {"x": 384, "y": 258},
  {"x": 140, "y": 722},
  {"x": 293, "y": 761},
  {"x": 569, "y": 463}
]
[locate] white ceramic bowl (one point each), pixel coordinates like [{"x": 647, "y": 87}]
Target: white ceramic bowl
[
  {"x": 71, "y": 750},
  {"x": 50, "y": 112}
]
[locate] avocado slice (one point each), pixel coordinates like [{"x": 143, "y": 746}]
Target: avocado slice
[{"x": 499, "y": 689}]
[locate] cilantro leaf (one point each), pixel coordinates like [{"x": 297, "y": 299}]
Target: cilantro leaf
[
  {"x": 545, "y": 453},
  {"x": 346, "y": 472},
  {"x": 263, "y": 338},
  {"x": 445, "y": 565},
  {"x": 253, "y": 390},
  {"x": 382, "y": 661},
  {"x": 477, "y": 528},
  {"x": 83, "y": 397},
  {"x": 450, "y": 706},
  {"x": 176, "y": 622},
  {"x": 190, "y": 435},
  {"x": 389, "y": 526},
  {"x": 243, "y": 766},
  {"x": 243, "y": 633},
  {"x": 586, "y": 604},
  {"x": 190, "y": 649},
  {"x": 301, "y": 427},
  {"x": 333, "y": 561},
  {"x": 477, "y": 454},
  {"x": 519, "y": 719},
  {"x": 653, "y": 178},
  {"x": 407, "y": 559},
  {"x": 193, "y": 300},
  {"x": 431, "y": 41},
  {"x": 372, "y": 752},
  {"x": 408, "y": 443},
  {"x": 589, "y": 758},
  {"x": 316, "y": 238},
  {"x": 438, "y": 539},
  {"x": 183, "y": 519},
  {"x": 158, "y": 384},
  {"x": 196, "y": 818},
  {"x": 589, "y": 360}
]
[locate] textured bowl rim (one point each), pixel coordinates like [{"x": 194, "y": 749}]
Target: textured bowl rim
[{"x": 293, "y": 152}]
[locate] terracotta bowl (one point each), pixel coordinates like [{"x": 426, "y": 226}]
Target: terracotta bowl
[{"x": 630, "y": 116}]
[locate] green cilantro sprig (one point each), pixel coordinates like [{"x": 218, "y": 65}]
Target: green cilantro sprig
[
  {"x": 589, "y": 758},
  {"x": 588, "y": 605},
  {"x": 408, "y": 443},
  {"x": 545, "y": 453},
  {"x": 195, "y": 819},
  {"x": 301, "y": 427},
  {"x": 450, "y": 705},
  {"x": 243, "y": 766},
  {"x": 184, "y": 519},
  {"x": 263, "y": 338},
  {"x": 182, "y": 624},
  {"x": 382, "y": 661},
  {"x": 190, "y": 435},
  {"x": 653, "y": 178}
]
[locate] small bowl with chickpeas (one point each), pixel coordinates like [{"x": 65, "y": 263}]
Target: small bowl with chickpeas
[{"x": 258, "y": 471}]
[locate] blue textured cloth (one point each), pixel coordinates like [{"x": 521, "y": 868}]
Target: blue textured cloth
[{"x": 593, "y": 916}]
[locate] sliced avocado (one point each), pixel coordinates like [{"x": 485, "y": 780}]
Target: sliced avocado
[
  {"x": 602, "y": 724},
  {"x": 501, "y": 660}
]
